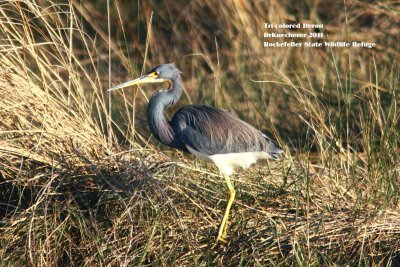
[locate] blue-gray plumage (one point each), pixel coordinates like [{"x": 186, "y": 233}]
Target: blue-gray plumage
[
  {"x": 207, "y": 132},
  {"x": 207, "y": 129},
  {"x": 214, "y": 131}
]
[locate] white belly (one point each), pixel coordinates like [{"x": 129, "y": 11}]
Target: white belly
[{"x": 228, "y": 162}]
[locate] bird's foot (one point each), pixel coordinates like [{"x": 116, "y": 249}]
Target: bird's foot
[{"x": 219, "y": 239}]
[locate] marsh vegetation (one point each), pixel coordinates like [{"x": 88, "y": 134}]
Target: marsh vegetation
[{"x": 82, "y": 182}]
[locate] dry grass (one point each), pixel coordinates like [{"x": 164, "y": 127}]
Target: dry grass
[{"x": 82, "y": 184}]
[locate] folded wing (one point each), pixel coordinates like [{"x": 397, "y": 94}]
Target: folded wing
[{"x": 212, "y": 131}]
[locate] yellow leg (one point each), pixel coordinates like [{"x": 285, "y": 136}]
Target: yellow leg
[{"x": 222, "y": 229}]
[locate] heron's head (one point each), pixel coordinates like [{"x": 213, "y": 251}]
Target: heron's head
[{"x": 163, "y": 73}]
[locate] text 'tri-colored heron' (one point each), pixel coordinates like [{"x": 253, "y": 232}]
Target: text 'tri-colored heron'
[{"x": 207, "y": 132}]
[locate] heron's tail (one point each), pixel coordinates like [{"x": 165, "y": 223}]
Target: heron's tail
[{"x": 273, "y": 149}]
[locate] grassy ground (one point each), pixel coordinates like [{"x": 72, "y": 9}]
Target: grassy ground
[{"x": 82, "y": 182}]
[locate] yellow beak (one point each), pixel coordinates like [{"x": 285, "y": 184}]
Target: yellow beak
[{"x": 149, "y": 78}]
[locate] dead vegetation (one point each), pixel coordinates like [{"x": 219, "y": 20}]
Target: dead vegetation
[{"x": 82, "y": 184}]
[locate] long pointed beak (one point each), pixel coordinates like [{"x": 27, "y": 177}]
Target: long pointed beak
[{"x": 140, "y": 80}]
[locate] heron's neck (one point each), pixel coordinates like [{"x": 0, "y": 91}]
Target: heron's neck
[{"x": 158, "y": 122}]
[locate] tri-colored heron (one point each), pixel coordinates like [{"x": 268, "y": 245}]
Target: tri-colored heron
[{"x": 207, "y": 132}]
